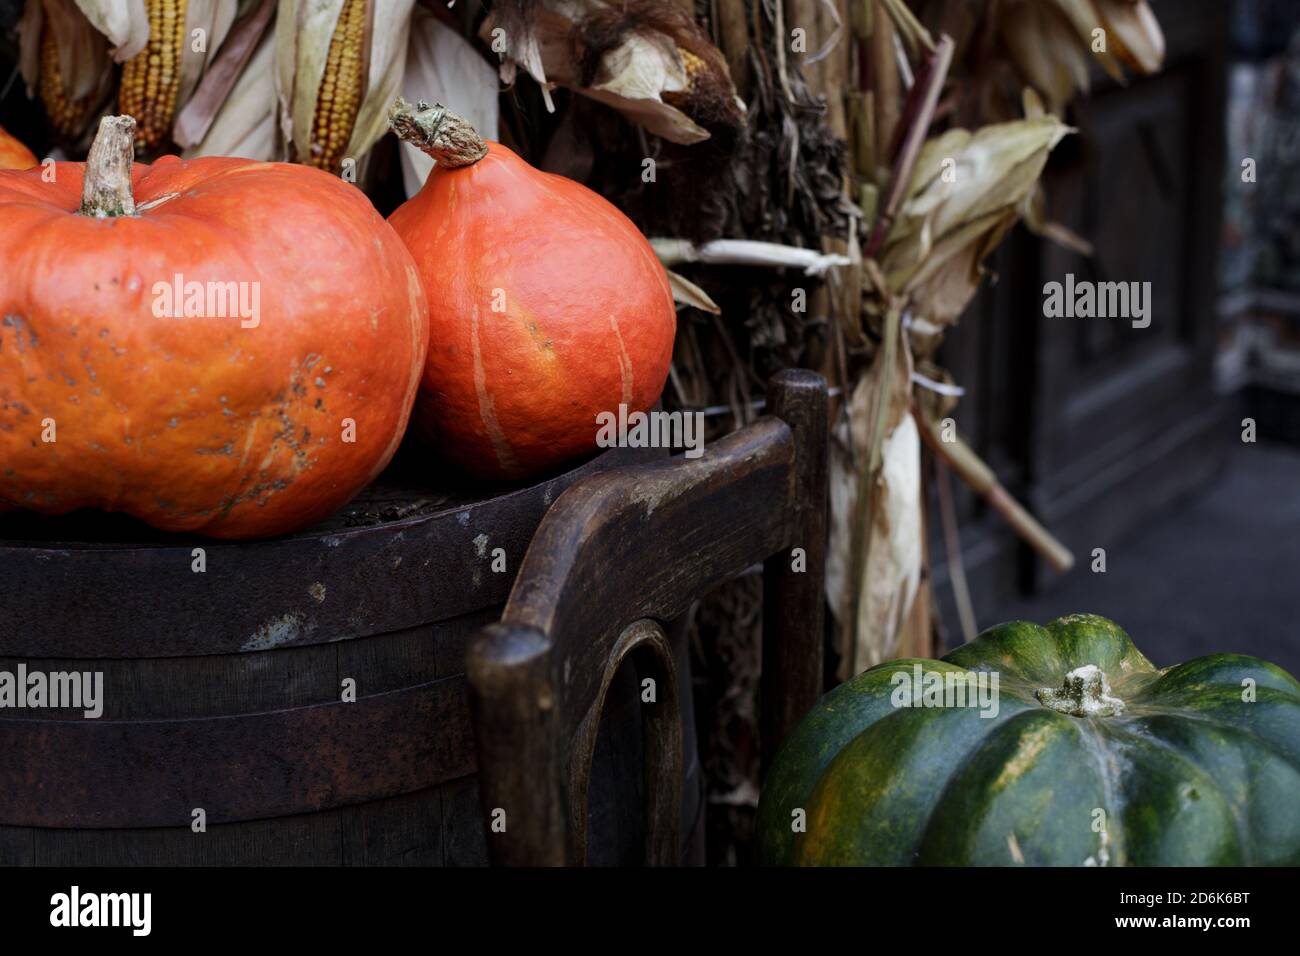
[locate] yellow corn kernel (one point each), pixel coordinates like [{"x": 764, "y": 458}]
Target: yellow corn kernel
[
  {"x": 694, "y": 65},
  {"x": 65, "y": 115},
  {"x": 151, "y": 78},
  {"x": 339, "y": 97}
]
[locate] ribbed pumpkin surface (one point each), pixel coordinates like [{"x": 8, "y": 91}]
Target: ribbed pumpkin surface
[
  {"x": 547, "y": 307},
  {"x": 1191, "y": 770},
  {"x": 198, "y": 423}
]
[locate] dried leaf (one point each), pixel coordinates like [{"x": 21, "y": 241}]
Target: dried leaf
[
  {"x": 245, "y": 124},
  {"x": 966, "y": 191},
  {"x": 1083, "y": 18},
  {"x": 1047, "y": 52},
  {"x": 1135, "y": 31},
  {"x": 651, "y": 62},
  {"x": 124, "y": 22},
  {"x": 1052, "y": 42},
  {"x": 224, "y": 72},
  {"x": 686, "y": 292},
  {"x": 214, "y": 18},
  {"x": 944, "y": 287},
  {"x": 518, "y": 22},
  {"x": 636, "y": 76},
  {"x": 893, "y": 557}
]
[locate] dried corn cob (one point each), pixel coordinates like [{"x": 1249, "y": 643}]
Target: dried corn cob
[
  {"x": 696, "y": 70},
  {"x": 694, "y": 65},
  {"x": 341, "y": 89},
  {"x": 151, "y": 78},
  {"x": 338, "y": 65},
  {"x": 650, "y": 61},
  {"x": 65, "y": 115}
]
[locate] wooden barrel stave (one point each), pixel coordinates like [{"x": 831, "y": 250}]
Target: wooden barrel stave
[
  {"x": 207, "y": 707},
  {"x": 440, "y": 826}
]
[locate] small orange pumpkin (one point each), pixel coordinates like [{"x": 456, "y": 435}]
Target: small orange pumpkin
[
  {"x": 217, "y": 345},
  {"x": 547, "y": 306},
  {"x": 13, "y": 154}
]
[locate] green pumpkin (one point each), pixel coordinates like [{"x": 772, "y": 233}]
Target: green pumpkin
[{"x": 1086, "y": 754}]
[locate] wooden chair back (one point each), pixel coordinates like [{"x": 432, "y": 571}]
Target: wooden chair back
[{"x": 616, "y": 557}]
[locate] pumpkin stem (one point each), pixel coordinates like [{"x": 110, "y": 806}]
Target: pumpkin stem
[
  {"x": 106, "y": 191},
  {"x": 1085, "y": 693},
  {"x": 438, "y": 131}
]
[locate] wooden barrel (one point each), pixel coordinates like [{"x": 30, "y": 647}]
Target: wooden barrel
[{"x": 299, "y": 700}]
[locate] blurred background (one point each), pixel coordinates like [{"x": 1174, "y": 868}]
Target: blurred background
[{"x": 1131, "y": 440}]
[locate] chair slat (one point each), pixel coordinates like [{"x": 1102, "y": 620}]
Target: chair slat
[{"x": 617, "y": 555}]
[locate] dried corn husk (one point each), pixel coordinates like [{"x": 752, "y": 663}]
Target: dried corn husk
[
  {"x": 1044, "y": 48},
  {"x": 686, "y": 292},
  {"x": 184, "y": 38},
  {"x": 153, "y": 86},
  {"x": 304, "y": 32},
  {"x": 1048, "y": 44},
  {"x": 515, "y": 23},
  {"x": 124, "y": 22},
  {"x": 232, "y": 111},
  {"x": 442, "y": 67},
  {"x": 874, "y": 567},
  {"x": 965, "y": 191},
  {"x": 945, "y": 229},
  {"x": 1135, "y": 32},
  {"x": 1051, "y": 41},
  {"x": 215, "y": 18},
  {"x": 650, "y": 61},
  {"x": 66, "y": 61},
  {"x": 747, "y": 252},
  {"x": 245, "y": 123}
]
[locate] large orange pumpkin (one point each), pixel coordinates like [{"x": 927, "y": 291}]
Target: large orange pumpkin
[
  {"x": 284, "y": 391},
  {"x": 547, "y": 306},
  {"x": 13, "y": 154}
]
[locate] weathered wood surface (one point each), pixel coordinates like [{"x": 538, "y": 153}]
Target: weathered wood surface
[
  {"x": 618, "y": 554},
  {"x": 418, "y": 829},
  {"x": 146, "y": 773},
  {"x": 258, "y": 737},
  {"x": 793, "y": 598},
  {"x": 360, "y": 573}
]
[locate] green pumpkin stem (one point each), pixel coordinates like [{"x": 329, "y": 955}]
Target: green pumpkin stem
[
  {"x": 1085, "y": 693},
  {"x": 438, "y": 131},
  {"x": 106, "y": 191}
]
